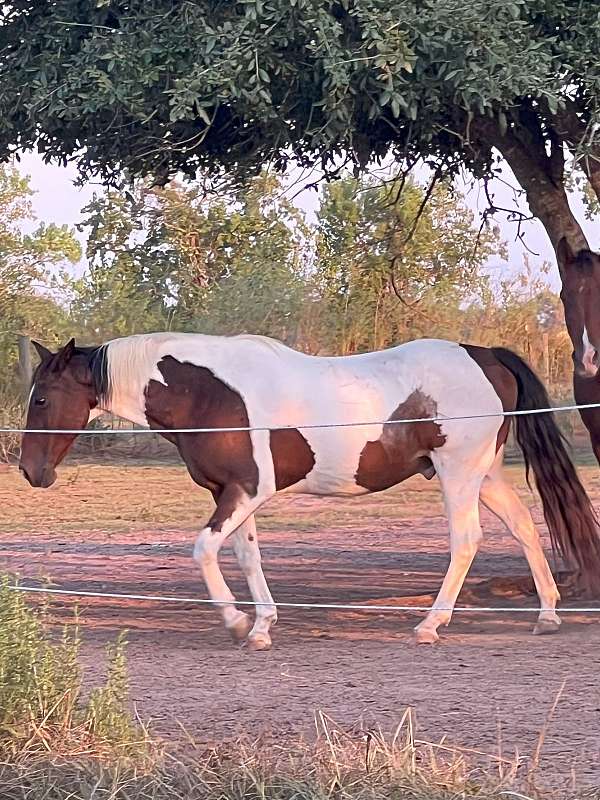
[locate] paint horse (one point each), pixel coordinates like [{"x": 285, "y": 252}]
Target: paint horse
[
  {"x": 580, "y": 294},
  {"x": 169, "y": 381}
]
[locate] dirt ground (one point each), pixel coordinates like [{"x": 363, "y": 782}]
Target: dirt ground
[{"x": 489, "y": 685}]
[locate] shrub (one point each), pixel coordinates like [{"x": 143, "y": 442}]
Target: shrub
[{"x": 41, "y": 704}]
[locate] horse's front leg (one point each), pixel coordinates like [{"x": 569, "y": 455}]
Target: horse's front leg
[
  {"x": 245, "y": 544},
  {"x": 234, "y": 506}
]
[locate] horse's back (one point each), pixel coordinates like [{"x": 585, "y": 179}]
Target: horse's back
[{"x": 338, "y": 405}]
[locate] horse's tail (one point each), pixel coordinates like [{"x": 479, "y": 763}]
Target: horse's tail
[{"x": 569, "y": 514}]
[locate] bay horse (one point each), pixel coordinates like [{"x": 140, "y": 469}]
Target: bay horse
[
  {"x": 168, "y": 381},
  {"x": 580, "y": 295}
]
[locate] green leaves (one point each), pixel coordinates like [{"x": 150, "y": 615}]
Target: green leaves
[
  {"x": 365, "y": 257},
  {"x": 25, "y": 261},
  {"x": 170, "y": 258},
  {"x": 163, "y": 89}
]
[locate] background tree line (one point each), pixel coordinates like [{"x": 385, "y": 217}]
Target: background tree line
[{"x": 248, "y": 261}]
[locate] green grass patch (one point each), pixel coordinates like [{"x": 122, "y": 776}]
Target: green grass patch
[{"x": 42, "y": 708}]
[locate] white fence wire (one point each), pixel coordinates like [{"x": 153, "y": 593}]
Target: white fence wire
[
  {"x": 308, "y": 605},
  {"x": 300, "y": 426},
  {"x": 158, "y": 598}
]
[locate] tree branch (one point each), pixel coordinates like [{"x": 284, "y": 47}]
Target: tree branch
[
  {"x": 575, "y": 130},
  {"x": 525, "y": 152}
]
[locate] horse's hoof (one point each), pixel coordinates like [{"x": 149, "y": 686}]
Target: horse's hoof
[
  {"x": 544, "y": 627},
  {"x": 258, "y": 642},
  {"x": 240, "y": 628},
  {"x": 426, "y": 636}
]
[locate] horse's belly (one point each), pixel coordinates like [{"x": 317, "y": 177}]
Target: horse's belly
[
  {"x": 336, "y": 460},
  {"x": 326, "y": 483}
]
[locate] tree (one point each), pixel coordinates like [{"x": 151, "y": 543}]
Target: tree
[
  {"x": 380, "y": 282},
  {"x": 171, "y": 258},
  {"x": 264, "y": 250},
  {"x": 25, "y": 262},
  {"x": 155, "y": 88},
  {"x": 121, "y": 291}
]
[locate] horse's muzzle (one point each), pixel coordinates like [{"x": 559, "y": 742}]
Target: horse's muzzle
[
  {"x": 588, "y": 366},
  {"x": 39, "y": 478}
]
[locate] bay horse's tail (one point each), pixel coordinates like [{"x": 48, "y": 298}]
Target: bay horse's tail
[{"x": 569, "y": 514}]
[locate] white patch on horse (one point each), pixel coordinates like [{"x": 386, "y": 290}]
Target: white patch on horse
[
  {"x": 282, "y": 387},
  {"x": 589, "y": 352},
  {"x": 132, "y": 363}
]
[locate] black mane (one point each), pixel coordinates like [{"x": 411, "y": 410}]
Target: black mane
[{"x": 97, "y": 358}]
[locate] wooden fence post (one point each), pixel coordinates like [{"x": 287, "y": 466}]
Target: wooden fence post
[{"x": 25, "y": 368}]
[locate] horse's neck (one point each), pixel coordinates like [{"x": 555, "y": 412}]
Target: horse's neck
[
  {"x": 123, "y": 373},
  {"x": 123, "y": 405}
]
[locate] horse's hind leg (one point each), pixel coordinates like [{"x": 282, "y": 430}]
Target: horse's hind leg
[
  {"x": 503, "y": 501},
  {"x": 247, "y": 551},
  {"x": 461, "y": 497}
]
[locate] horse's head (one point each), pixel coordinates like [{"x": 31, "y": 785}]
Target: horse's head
[
  {"x": 580, "y": 294},
  {"x": 62, "y": 396}
]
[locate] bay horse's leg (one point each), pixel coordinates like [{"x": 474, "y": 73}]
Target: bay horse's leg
[
  {"x": 596, "y": 447},
  {"x": 503, "y": 501},
  {"x": 461, "y": 496},
  {"x": 233, "y": 509},
  {"x": 245, "y": 544}
]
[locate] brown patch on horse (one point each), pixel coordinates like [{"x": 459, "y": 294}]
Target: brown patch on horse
[
  {"x": 293, "y": 457},
  {"x": 227, "y": 501},
  {"x": 194, "y": 397},
  {"x": 503, "y": 381},
  {"x": 402, "y": 450}
]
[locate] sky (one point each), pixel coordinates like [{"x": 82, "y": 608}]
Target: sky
[{"x": 58, "y": 200}]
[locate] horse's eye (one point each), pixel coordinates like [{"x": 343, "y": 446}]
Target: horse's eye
[{"x": 40, "y": 401}]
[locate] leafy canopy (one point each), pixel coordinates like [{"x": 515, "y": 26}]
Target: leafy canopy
[
  {"x": 154, "y": 87},
  {"x": 26, "y": 260}
]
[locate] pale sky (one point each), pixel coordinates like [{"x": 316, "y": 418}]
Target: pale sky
[{"x": 56, "y": 199}]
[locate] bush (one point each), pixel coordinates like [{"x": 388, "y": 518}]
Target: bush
[
  {"x": 11, "y": 416},
  {"x": 41, "y": 705}
]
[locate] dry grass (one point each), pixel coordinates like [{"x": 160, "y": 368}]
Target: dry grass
[
  {"x": 11, "y": 416},
  {"x": 340, "y": 765},
  {"x": 122, "y": 498}
]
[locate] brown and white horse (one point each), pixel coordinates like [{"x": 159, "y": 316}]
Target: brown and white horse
[
  {"x": 580, "y": 294},
  {"x": 172, "y": 381}
]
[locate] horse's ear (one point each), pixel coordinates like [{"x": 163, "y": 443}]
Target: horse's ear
[
  {"x": 43, "y": 352},
  {"x": 564, "y": 252},
  {"x": 64, "y": 355},
  {"x": 587, "y": 259}
]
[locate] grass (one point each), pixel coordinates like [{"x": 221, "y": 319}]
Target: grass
[
  {"x": 363, "y": 764},
  {"x": 42, "y": 708},
  {"x": 57, "y": 745},
  {"x": 128, "y": 498}
]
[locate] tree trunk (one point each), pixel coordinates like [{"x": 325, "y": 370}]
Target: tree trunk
[
  {"x": 547, "y": 201},
  {"x": 540, "y": 176},
  {"x": 572, "y": 128}
]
